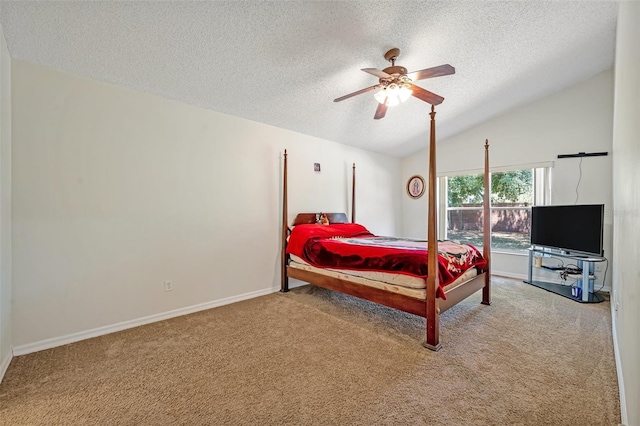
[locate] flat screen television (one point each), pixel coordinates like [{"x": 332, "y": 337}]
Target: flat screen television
[{"x": 576, "y": 228}]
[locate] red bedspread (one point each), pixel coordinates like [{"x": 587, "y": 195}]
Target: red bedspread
[{"x": 352, "y": 246}]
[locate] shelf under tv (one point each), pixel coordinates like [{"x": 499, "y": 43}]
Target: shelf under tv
[
  {"x": 585, "y": 281},
  {"x": 565, "y": 290}
]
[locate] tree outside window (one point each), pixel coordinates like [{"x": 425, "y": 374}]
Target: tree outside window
[{"x": 512, "y": 195}]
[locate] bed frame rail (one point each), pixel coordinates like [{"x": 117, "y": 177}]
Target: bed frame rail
[{"x": 381, "y": 297}]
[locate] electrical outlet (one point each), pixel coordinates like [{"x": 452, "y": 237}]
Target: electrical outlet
[{"x": 168, "y": 286}]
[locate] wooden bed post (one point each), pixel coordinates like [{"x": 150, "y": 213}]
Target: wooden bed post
[
  {"x": 432, "y": 305},
  {"x": 284, "y": 280},
  {"x": 353, "y": 195},
  {"x": 486, "y": 251}
]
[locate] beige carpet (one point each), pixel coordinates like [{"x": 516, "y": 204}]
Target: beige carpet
[{"x": 316, "y": 357}]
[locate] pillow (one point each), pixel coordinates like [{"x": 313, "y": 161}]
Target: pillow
[{"x": 302, "y": 233}]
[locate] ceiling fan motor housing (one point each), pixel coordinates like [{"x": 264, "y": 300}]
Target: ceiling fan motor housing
[{"x": 395, "y": 69}]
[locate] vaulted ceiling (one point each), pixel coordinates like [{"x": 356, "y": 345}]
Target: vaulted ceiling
[{"x": 283, "y": 62}]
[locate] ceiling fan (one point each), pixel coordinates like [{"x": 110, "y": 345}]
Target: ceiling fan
[{"x": 396, "y": 84}]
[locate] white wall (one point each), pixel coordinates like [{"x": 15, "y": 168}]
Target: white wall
[
  {"x": 576, "y": 119},
  {"x": 5, "y": 206},
  {"x": 626, "y": 204},
  {"x": 116, "y": 191}
]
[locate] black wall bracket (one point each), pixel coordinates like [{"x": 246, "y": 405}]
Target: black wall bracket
[{"x": 583, "y": 154}]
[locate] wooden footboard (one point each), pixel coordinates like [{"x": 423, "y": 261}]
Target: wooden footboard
[{"x": 462, "y": 291}]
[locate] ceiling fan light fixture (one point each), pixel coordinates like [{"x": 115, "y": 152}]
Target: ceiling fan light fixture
[
  {"x": 380, "y": 96},
  {"x": 394, "y": 94},
  {"x": 404, "y": 93},
  {"x": 392, "y": 97}
]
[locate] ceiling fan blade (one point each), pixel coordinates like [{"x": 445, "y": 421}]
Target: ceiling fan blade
[
  {"x": 368, "y": 89},
  {"x": 425, "y": 95},
  {"x": 445, "y": 69},
  {"x": 375, "y": 71},
  {"x": 381, "y": 111}
]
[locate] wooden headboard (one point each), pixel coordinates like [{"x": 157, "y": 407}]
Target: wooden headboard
[{"x": 304, "y": 218}]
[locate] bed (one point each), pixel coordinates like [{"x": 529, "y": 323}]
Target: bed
[{"x": 431, "y": 292}]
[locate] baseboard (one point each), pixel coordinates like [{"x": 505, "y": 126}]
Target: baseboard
[
  {"x": 509, "y": 275},
  {"x": 616, "y": 352},
  {"x": 5, "y": 365},
  {"x": 101, "y": 331},
  {"x": 293, "y": 283}
]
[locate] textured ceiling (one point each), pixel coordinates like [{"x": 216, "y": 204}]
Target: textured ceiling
[{"x": 283, "y": 63}]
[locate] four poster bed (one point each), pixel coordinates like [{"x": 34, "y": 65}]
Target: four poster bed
[{"x": 345, "y": 257}]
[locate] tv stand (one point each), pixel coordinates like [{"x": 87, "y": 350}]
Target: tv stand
[{"x": 585, "y": 294}]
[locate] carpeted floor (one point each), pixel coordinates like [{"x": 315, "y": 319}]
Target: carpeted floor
[{"x": 316, "y": 357}]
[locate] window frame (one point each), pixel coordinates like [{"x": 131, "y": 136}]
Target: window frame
[{"x": 542, "y": 173}]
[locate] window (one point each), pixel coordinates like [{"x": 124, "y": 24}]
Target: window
[{"x": 513, "y": 192}]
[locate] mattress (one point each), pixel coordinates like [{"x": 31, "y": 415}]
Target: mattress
[
  {"x": 382, "y": 280},
  {"x": 386, "y": 277}
]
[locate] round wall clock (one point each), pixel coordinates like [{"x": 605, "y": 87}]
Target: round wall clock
[{"x": 415, "y": 187}]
